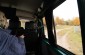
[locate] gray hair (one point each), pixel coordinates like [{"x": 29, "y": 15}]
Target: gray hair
[{"x": 3, "y": 20}]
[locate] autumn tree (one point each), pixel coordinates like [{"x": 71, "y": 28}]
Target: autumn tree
[
  {"x": 69, "y": 22},
  {"x": 59, "y": 21},
  {"x": 76, "y": 21}
]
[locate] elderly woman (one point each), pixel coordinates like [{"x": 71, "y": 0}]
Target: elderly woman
[{"x": 9, "y": 44}]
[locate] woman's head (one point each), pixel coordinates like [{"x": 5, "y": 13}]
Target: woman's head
[{"x": 3, "y": 20}]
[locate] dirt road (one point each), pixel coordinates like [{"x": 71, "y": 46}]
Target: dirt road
[{"x": 62, "y": 40}]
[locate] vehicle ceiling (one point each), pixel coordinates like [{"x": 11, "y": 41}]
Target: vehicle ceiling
[{"x": 25, "y": 8}]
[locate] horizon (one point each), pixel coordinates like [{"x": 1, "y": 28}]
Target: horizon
[{"x": 67, "y": 10}]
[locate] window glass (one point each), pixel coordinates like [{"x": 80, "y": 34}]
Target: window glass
[
  {"x": 68, "y": 29},
  {"x": 23, "y": 22},
  {"x": 45, "y": 27}
]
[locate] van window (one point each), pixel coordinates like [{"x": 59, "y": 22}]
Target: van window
[
  {"x": 68, "y": 29},
  {"x": 23, "y": 22},
  {"x": 45, "y": 27}
]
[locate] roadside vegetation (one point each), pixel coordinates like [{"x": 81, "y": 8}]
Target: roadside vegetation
[
  {"x": 73, "y": 38},
  {"x": 75, "y": 42}
]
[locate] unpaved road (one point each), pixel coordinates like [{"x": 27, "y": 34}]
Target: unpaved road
[{"x": 62, "y": 40}]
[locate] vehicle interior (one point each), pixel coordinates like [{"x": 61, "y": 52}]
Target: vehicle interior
[{"x": 33, "y": 12}]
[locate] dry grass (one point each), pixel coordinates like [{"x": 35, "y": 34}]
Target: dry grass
[
  {"x": 75, "y": 42},
  {"x": 64, "y": 31},
  {"x": 62, "y": 26},
  {"x": 73, "y": 38}
]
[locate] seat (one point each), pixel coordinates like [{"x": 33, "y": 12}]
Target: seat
[
  {"x": 14, "y": 24},
  {"x": 31, "y": 37},
  {"x": 19, "y": 31}
]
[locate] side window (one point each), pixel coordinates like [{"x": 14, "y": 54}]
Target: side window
[
  {"x": 45, "y": 27},
  {"x": 23, "y": 22},
  {"x": 68, "y": 29}
]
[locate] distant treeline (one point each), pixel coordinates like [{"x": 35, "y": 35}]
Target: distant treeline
[
  {"x": 60, "y": 21},
  {"x": 75, "y": 21}
]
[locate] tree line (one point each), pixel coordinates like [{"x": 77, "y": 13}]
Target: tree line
[
  {"x": 60, "y": 21},
  {"x": 75, "y": 21}
]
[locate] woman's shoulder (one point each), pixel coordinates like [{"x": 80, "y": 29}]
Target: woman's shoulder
[{"x": 6, "y": 34}]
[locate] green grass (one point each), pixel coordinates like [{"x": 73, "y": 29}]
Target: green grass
[{"x": 75, "y": 42}]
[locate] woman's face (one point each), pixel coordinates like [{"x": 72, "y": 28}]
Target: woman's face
[{"x": 3, "y": 19}]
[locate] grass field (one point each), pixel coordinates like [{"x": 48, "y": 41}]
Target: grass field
[
  {"x": 64, "y": 29},
  {"x": 73, "y": 38},
  {"x": 61, "y": 33},
  {"x": 62, "y": 26},
  {"x": 75, "y": 42}
]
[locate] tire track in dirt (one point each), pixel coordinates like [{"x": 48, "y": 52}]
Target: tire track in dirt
[{"x": 62, "y": 40}]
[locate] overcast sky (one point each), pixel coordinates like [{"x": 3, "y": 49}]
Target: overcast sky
[{"x": 67, "y": 10}]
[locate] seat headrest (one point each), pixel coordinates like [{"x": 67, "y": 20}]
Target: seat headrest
[
  {"x": 30, "y": 25},
  {"x": 20, "y": 31},
  {"x": 14, "y": 24}
]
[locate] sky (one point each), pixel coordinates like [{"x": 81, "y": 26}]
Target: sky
[{"x": 67, "y": 10}]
